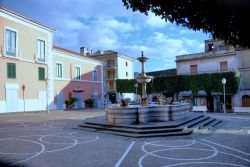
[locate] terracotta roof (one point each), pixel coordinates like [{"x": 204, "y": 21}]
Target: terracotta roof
[
  {"x": 25, "y": 17},
  {"x": 74, "y": 53}
]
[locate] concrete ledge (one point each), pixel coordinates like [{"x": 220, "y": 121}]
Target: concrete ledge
[{"x": 242, "y": 109}]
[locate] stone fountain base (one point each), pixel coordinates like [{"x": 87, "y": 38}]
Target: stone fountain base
[{"x": 149, "y": 113}]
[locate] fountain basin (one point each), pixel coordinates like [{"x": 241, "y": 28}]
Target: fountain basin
[
  {"x": 144, "y": 79},
  {"x": 149, "y": 113}
]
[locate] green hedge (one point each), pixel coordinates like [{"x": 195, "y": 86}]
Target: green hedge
[{"x": 170, "y": 84}]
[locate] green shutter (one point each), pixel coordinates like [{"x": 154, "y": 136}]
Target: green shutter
[
  {"x": 11, "y": 70},
  {"x": 41, "y": 73}
]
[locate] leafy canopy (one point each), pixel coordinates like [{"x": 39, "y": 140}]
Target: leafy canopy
[{"x": 224, "y": 19}]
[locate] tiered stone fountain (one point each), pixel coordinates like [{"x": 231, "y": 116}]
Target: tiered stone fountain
[{"x": 144, "y": 112}]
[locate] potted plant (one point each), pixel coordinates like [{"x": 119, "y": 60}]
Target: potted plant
[
  {"x": 70, "y": 103},
  {"x": 89, "y": 102}
]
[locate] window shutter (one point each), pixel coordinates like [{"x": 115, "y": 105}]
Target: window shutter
[
  {"x": 11, "y": 70},
  {"x": 8, "y": 70},
  {"x": 41, "y": 73},
  {"x": 14, "y": 71}
]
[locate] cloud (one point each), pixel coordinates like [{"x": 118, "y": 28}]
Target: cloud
[
  {"x": 103, "y": 25},
  {"x": 155, "y": 21}
]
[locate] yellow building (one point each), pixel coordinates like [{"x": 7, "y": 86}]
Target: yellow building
[
  {"x": 35, "y": 75},
  {"x": 26, "y": 47}
]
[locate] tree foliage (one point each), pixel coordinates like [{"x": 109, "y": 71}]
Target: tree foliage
[
  {"x": 224, "y": 19},
  {"x": 171, "y": 84}
]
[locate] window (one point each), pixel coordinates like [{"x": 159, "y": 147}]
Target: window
[
  {"x": 11, "y": 70},
  {"x": 58, "y": 70},
  {"x": 210, "y": 47},
  {"x": 94, "y": 75},
  {"x": 126, "y": 74},
  {"x": 223, "y": 66},
  {"x": 111, "y": 85},
  {"x": 110, "y": 63},
  {"x": 126, "y": 63},
  {"x": 193, "y": 69},
  {"x": 11, "y": 42},
  {"x": 41, "y": 74},
  {"x": 41, "y": 50},
  {"x": 78, "y": 73}
]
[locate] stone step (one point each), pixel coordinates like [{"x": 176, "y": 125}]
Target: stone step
[
  {"x": 136, "y": 135},
  {"x": 213, "y": 124},
  {"x": 130, "y": 130},
  {"x": 158, "y": 125},
  {"x": 204, "y": 123},
  {"x": 195, "y": 122}
]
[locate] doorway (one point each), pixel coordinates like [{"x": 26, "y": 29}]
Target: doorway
[{"x": 246, "y": 101}]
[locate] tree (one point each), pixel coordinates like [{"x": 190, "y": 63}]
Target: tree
[{"x": 224, "y": 19}]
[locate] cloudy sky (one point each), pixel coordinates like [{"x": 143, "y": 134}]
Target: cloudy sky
[{"x": 108, "y": 25}]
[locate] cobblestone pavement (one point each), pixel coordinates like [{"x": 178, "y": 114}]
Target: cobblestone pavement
[{"x": 40, "y": 139}]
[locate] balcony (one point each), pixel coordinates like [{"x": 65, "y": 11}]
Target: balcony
[
  {"x": 11, "y": 52},
  {"x": 40, "y": 59},
  {"x": 205, "y": 55},
  {"x": 111, "y": 78},
  {"x": 111, "y": 67}
]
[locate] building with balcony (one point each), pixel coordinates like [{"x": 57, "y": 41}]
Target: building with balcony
[
  {"x": 218, "y": 57},
  {"x": 37, "y": 76},
  {"x": 117, "y": 66},
  {"x": 26, "y": 51}
]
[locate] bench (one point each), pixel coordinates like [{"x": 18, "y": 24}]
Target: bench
[
  {"x": 242, "y": 109},
  {"x": 200, "y": 108}
]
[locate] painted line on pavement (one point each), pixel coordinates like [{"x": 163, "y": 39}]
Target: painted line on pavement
[
  {"x": 226, "y": 147},
  {"x": 125, "y": 154}
]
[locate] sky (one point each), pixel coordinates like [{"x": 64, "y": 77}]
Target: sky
[{"x": 108, "y": 25}]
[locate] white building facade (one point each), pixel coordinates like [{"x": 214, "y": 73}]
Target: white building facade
[
  {"x": 117, "y": 66},
  {"x": 219, "y": 58}
]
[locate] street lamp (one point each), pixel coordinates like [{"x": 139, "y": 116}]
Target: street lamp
[
  {"x": 23, "y": 89},
  {"x": 136, "y": 86},
  {"x": 224, "y": 81},
  {"x": 47, "y": 94}
]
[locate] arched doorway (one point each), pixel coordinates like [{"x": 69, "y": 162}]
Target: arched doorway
[{"x": 246, "y": 101}]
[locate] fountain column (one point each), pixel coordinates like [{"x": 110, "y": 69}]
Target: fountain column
[{"x": 143, "y": 79}]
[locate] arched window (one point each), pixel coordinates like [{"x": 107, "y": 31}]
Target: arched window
[{"x": 246, "y": 101}]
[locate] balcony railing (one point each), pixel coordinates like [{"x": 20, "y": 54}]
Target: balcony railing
[
  {"x": 40, "y": 59},
  {"x": 13, "y": 52}
]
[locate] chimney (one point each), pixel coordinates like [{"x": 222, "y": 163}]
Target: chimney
[{"x": 82, "y": 50}]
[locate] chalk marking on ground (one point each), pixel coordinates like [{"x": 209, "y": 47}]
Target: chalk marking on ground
[
  {"x": 226, "y": 147},
  {"x": 125, "y": 154}
]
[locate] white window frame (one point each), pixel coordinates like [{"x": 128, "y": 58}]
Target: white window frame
[
  {"x": 61, "y": 63},
  {"x": 80, "y": 72},
  {"x": 38, "y": 56},
  {"x": 94, "y": 71},
  {"x": 5, "y": 42}
]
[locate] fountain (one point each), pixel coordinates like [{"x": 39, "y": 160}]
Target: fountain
[
  {"x": 147, "y": 120},
  {"x": 144, "y": 112}
]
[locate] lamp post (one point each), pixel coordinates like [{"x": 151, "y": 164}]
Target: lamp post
[
  {"x": 224, "y": 81},
  {"x": 47, "y": 94},
  {"x": 23, "y": 89},
  {"x": 136, "y": 86}
]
